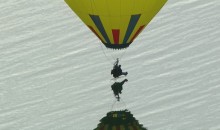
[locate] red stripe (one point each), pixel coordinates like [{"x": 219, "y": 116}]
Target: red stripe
[
  {"x": 138, "y": 31},
  {"x": 93, "y": 30},
  {"x": 116, "y": 33}
]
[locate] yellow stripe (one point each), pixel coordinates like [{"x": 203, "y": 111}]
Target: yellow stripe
[
  {"x": 99, "y": 7},
  {"x": 127, "y": 7},
  {"x": 107, "y": 25},
  {"x": 113, "y": 7},
  {"x": 123, "y": 26},
  {"x": 153, "y": 8}
]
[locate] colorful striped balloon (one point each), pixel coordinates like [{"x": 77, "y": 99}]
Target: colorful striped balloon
[{"x": 116, "y": 22}]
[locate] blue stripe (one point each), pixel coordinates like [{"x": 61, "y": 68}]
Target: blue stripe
[
  {"x": 98, "y": 23},
  {"x": 133, "y": 21}
]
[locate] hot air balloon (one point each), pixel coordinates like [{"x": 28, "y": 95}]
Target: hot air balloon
[{"x": 116, "y": 22}]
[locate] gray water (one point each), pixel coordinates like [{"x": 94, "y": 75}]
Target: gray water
[{"x": 54, "y": 74}]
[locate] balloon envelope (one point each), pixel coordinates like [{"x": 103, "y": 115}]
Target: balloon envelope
[{"x": 116, "y": 22}]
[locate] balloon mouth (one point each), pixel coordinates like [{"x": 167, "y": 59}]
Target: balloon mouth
[{"x": 117, "y": 46}]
